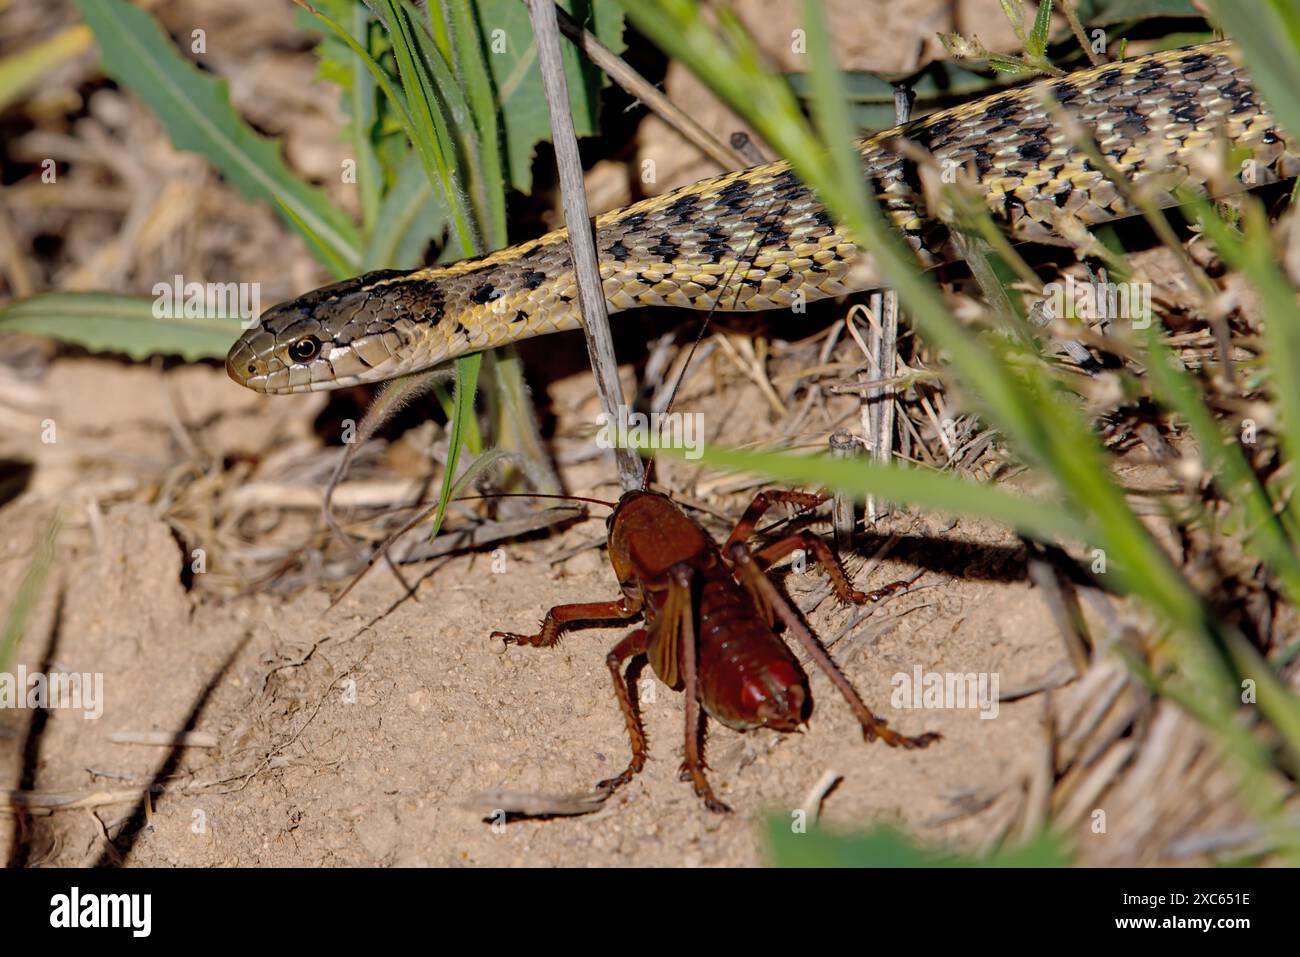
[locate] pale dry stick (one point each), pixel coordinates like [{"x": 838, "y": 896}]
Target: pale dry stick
[
  {"x": 111, "y": 775},
  {"x": 679, "y": 373},
  {"x": 812, "y": 802},
  {"x": 1131, "y": 713},
  {"x": 945, "y": 439},
  {"x": 1091, "y": 786},
  {"x": 12, "y": 263},
  {"x": 1067, "y": 7},
  {"x": 815, "y": 391},
  {"x": 1241, "y": 841},
  {"x": 1164, "y": 756},
  {"x": 100, "y": 829},
  {"x": 879, "y": 403},
  {"x": 912, "y": 434},
  {"x": 491, "y": 804},
  {"x": 1041, "y": 778},
  {"x": 359, "y": 494},
  {"x": 751, "y": 366},
  {"x": 166, "y": 739},
  {"x": 662, "y": 353},
  {"x": 41, "y": 803},
  {"x": 843, "y": 446},
  {"x": 582, "y": 243},
  {"x": 1069, "y": 622},
  {"x": 1097, "y": 691},
  {"x": 621, "y": 73}
]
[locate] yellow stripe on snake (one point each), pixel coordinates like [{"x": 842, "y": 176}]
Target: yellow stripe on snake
[{"x": 758, "y": 238}]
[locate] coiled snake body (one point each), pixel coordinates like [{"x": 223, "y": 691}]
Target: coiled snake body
[{"x": 757, "y": 238}]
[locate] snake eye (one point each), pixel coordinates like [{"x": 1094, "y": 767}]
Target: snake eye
[{"x": 305, "y": 349}]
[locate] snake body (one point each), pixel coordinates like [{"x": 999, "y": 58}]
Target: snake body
[{"x": 759, "y": 239}]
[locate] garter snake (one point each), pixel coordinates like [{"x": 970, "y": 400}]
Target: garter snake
[{"x": 716, "y": 242}]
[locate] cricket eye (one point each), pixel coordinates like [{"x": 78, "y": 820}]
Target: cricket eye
[{"x": 305, "y": 349}]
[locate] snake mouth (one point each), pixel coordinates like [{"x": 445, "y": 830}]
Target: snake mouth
[{"x": 272, "y": 376}]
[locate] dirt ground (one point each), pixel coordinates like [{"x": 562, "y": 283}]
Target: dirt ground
[
  {"x": 353, "y": 736},
  {"x": 367, "y": 734}
]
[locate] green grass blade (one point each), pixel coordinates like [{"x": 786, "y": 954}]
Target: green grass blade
[
  {"x": 1253, "y": 255},
  {"x": 921, "y": 487},
  {"x": 364, "y": 115},
  {"x": 20, "y": 70},
  {"x": 471, "y": 68},
  {"x": 1036, "y": 42},
  {"x": 467, "y": 369},
  {"x": 430, "y": 124},
  {"x": 1232, "y": 474}
]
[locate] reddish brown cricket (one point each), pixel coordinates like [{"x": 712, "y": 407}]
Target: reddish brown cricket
[{"x": 709, "y": 616}]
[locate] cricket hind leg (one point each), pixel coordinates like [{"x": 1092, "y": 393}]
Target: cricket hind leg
[
  {"x": 759, "y": 506},
  {"x": 872, "y": 726},
  {"x": 804, "y": 540},
  {"x": 810, "y": 542},
  {"x": 693, "y": 766}
]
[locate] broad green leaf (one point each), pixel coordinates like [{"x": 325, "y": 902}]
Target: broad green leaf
[
  {"x": 412, "y": 215},
  {"x": 102, "y": 322},
  {"x": 196, "y": 110},
  {"x": 512, "y": 61}
]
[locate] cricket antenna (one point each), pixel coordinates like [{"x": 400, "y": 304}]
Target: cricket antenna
[
  {"x": 562, "y": 498},
  {"x": 382, "y": 550}
]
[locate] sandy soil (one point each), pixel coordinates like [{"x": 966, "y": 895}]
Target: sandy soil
[{"x": 354, "y": 736}]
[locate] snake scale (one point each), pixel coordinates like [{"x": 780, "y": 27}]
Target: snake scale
[{"x": 757, "y": 238}]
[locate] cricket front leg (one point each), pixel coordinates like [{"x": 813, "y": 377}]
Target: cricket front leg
[
  {"x": 872, "y": 726},
  {"x": 619, "y": 610}
]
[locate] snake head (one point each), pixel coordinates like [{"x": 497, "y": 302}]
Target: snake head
[{"x": 355, "y": 331}]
